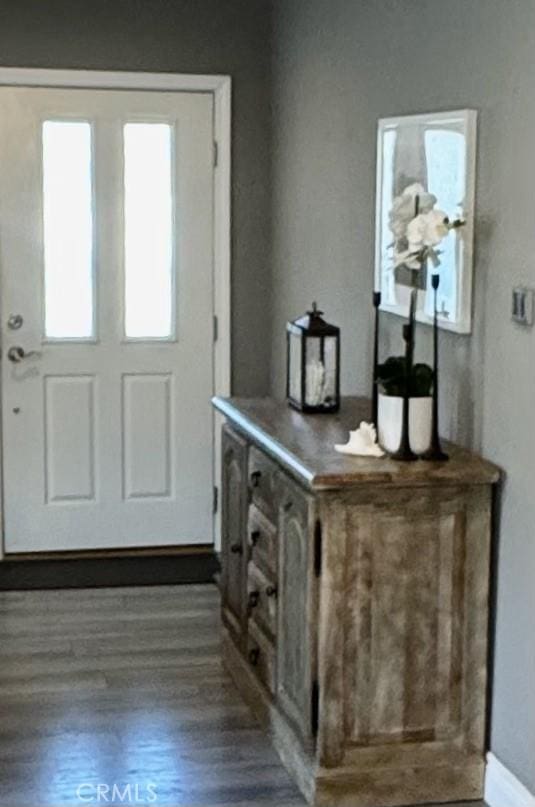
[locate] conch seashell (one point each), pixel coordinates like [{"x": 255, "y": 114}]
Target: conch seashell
[{"x": 362, "y": 442}]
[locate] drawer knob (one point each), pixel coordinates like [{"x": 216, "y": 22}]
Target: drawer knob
[
  {"x": 271, "y": 591},
  {"x": 255, "y": 537},
  {"x": 255, "y": 479},
  {"x": 254, "y": 596},
  {"x": 254, "y": 655},
  {"x": 236, "y": 549}
]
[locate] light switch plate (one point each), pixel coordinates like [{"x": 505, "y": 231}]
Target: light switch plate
[{"x": 523, "y": 306}]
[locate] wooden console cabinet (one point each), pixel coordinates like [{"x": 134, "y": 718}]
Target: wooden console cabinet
[{"x": 355, "y": 606}]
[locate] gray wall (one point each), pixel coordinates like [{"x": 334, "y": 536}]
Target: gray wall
[
  {"x": 189, "y": 36},
  {"x": 337, "y": 67}
]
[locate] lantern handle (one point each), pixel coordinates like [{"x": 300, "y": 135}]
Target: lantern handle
[{"x": 315, "y": 312}]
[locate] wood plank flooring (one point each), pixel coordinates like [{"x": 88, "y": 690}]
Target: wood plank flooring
[{"x": 125, "y": 687}]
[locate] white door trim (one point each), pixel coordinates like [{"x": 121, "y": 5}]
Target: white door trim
[{"x": 220, "y": 87}]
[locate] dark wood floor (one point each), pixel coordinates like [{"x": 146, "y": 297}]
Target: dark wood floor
[{"x": 126, "y": 687}]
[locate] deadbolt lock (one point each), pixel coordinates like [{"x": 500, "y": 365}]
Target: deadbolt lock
[{"x": 15, "y": 322}]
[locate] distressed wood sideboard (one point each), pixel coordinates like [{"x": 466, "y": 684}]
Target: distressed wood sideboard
[{"x": 355, "y": 606}]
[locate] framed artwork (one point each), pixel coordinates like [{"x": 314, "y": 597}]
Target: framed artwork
[{"x": 436, "y": 152}]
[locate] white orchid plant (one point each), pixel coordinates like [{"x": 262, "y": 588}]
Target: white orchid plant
[{"x": 418, "y": 228}]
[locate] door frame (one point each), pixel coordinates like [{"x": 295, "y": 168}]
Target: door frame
[{"x": 220, "y": 87}]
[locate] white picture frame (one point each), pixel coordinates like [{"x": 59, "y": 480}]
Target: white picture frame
[{"x": 437, "y": 150}]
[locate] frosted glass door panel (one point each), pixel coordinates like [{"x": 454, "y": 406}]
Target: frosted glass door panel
[
  {"x": 149, "y": 248},
  {"x": 68, "y": 230}
]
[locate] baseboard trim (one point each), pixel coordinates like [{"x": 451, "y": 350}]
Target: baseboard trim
[
  {"x": 502, "y": 788},
  {"x": 130, "y": 552},
  {"x": 97, "y": 572}
]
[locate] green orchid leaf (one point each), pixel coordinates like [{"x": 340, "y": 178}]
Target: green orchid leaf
[{"x": 391, "y": 378}]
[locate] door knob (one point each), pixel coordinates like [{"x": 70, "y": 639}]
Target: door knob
[{"x": 16, "y": 354}]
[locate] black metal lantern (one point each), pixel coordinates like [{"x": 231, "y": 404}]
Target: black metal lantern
[{"x": 313, "y": 363}]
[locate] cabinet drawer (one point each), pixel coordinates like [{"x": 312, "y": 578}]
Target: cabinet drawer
[
  {"x": 263, "y": 541},
  {"x": 263, "y": 481},
  {"x": 261, "y": 657},
  {"x": 261, "y": 600}
]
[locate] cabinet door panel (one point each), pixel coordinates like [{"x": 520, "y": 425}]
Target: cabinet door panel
[
  {"x": 296, "y": 591},
  {"x": 406, "y": 657},
  {"x": 233, "y": 529}
]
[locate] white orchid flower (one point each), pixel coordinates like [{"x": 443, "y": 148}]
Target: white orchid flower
[
  {"x": 404, "y": 208},
  {"x": 398, "y": 227},
  {"x": 418, "y": 228},
  {"x": 426, "y": 200},
  {"x": 427, "y": 230},
  {"x": 412, "y": 260}
]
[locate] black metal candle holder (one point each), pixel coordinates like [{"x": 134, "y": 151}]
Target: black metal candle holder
[
  {"x": 435, "y": 452},
  {"x": 405, "y": 452},
  {"x": 375, "y": 388}
]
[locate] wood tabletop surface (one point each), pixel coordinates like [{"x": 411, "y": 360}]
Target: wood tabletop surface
[{"x": 304, "y": 445}]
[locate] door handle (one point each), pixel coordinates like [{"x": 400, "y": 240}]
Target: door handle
[{"x": 16, "y": 354}]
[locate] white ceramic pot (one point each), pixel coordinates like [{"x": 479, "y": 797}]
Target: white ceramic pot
[{"x": 390, "y": 416}]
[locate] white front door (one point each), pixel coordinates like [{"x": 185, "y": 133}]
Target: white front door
[{"x": 106, "y": 256}]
